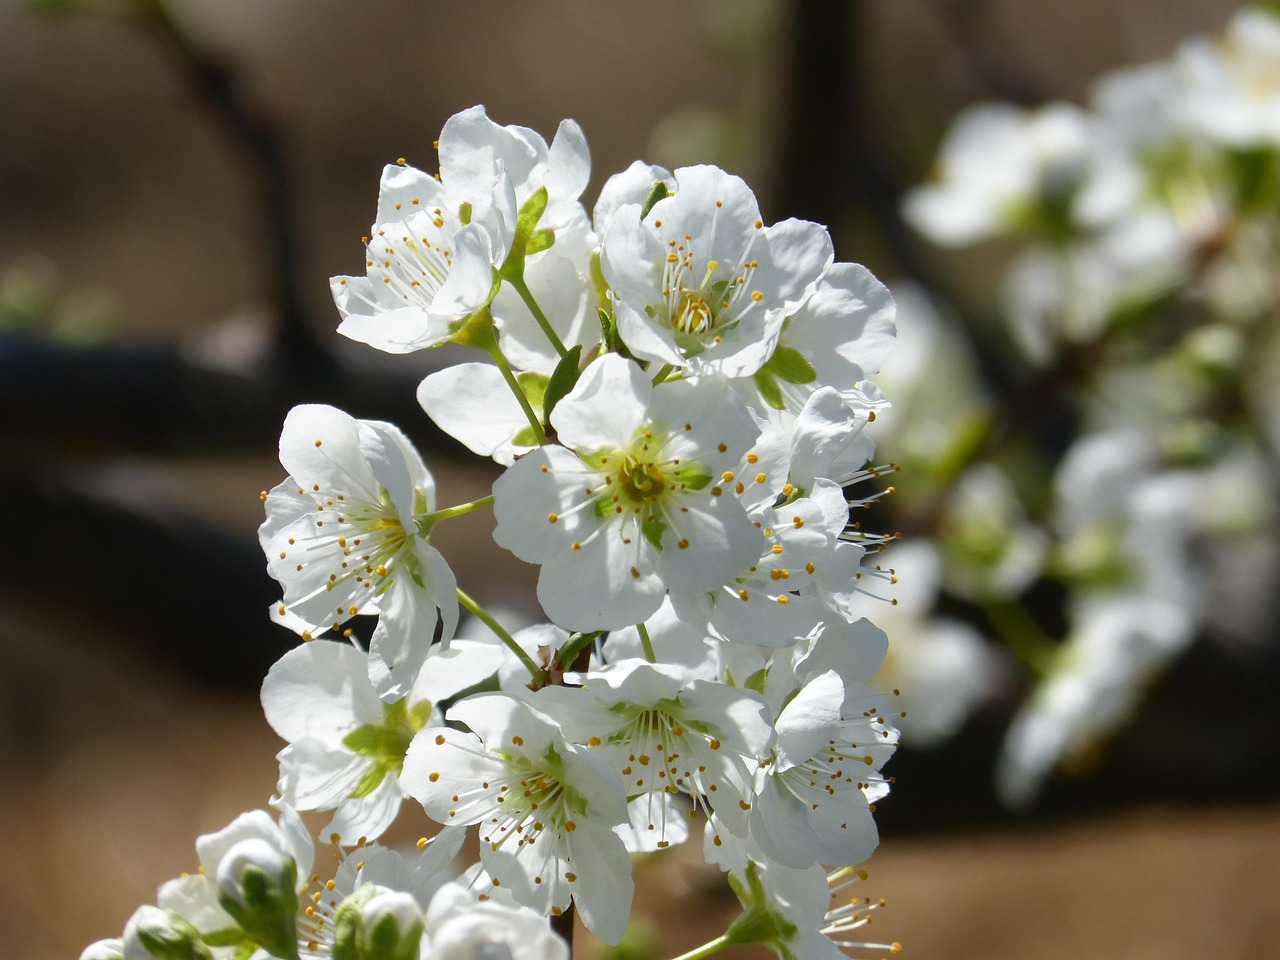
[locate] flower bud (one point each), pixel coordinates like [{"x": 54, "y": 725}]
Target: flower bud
[
  {"x": 375, "y": 923},
  {"x": 111, "y": 949},
  {"x": 162, "y": 935},
  {"x": 257, "y": 886},
  {"x": 392, "y": 924}
]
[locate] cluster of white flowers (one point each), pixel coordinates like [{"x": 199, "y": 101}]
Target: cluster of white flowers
[
  {"x": 678, "y": 392},
  {"x": 1142, "y": 304}
]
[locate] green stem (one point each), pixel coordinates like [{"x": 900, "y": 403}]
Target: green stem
[
  {"x": 663, "y": 373},
  {"x": 526, "y": 295},
  {"x": 500, "y": 359},
  {"x": 646, "y": 643},
  {"x": 534, "y": 670},
  {"x": 428, "y": 520},
  {"x": 707, "y": 949}
]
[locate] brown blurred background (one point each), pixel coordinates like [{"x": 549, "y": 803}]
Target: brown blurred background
[{"x": 178, "y": 258}]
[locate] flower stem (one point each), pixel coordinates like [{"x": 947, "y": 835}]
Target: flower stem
[
  {"x": 526, "y": 295},
  {"x": 646, "y": 643},
  {"x": 428, "y": 520},
  {"x": 663, "y": 373},
  {"x": 707, "y": 949},
  {"x": 500, "y": 359},
  {"x": 534, "y": 670}
]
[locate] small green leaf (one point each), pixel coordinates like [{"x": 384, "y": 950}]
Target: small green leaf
[
  {"x": 767, "y": 384},
  {"x": 791, "y": 365},
  {"x": 756, "y": 680},
  {"x": 657, "y": 192},
  {"x": 562, "y": 381}
]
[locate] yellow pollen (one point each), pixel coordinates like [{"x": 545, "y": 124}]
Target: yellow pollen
[
  {"x": 635, "y": 573},
  {"x": 797, "y": 522},
  {"x": 552, "y": 517},
  {"x": 753, "y": 457},
  {"x": 435, "y": 775},
  {"x": 808, "y": 567},
  {"x": 788, "y": 489},
  {"x": 783, "y": 599},
  {"x": 683, "y": 544},
  {"x": 570, "y": 826},
  {"x": 776, "y": 549},
  {"x": 518, "y": 740},
  {"x": 727, "y": 476},
  {"x": 757, "y": 296},
  {"x": 761, "y": 478}
]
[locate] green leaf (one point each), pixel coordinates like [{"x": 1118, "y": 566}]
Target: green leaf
[
  {"x": 562, "y": 381},
  {"x": 756, "y": 680},
  {"x": 767, "y": 384},
  {"x": 657, "y": 192},
  {"x": 791, "y": 365}
]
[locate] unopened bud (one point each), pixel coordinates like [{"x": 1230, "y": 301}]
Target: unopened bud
[
  {"x": 257, "y": 885},
  {"x": 162, "y": 935},
  {"x": 392, "y": 924},
  {"x": 375, "y": 923},
  {"x": 112, "y": 949}
]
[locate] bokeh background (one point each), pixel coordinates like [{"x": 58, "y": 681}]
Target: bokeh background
[{"x": 175, "y": 194}]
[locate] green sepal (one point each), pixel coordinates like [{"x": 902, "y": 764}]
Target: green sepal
[
  {"x": 653, "y": 528},
  {"x": 346, "y": 926},
  {"x": 475, "y": 331},
  {"x": 767, "y": 384},
  {"x": 563, "y": 378},
  {"x": 526, "y": 223},
  {"x": 534, "y": 387},
  {"x": 231, "y": 937},
  {"x": 789, "y": 364},
  {"x": 540, "y": 240},
  {"x": 691, "y": 476},
  {"x": 525, "y": 437},
  {"x": 598, "y": 282},
  {"x": 756, "y": 680},
  {"x": 531, "y": 212},
  {"x": 572, "y": 647},
  {"x": 757, "y": 922},
  {"x": 180, "y": 941},
  {"x": 609, "y": 331},
  {"x": 657, "y": 192},
  {"x": 370, "y": 782},
  {"x": 270, "y": 909},
  {"x": 385, "y": 941}
]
